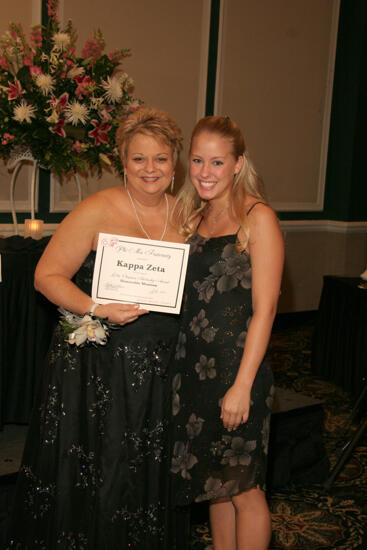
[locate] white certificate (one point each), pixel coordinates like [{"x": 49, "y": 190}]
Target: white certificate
[{"x": 130, "y": 270}]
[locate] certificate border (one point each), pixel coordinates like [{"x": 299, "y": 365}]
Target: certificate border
[{"x": 151, "y": 244}]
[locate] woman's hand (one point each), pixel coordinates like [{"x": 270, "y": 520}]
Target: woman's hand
[
  {"x": 235, "y": 407},
  {"x": 119, "y": 313}
]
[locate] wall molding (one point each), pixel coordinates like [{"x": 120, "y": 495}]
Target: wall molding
[
  {"x": 204, "y": 56},
  {"x": 328, "y": 104},
  {"x": 329, "y": 226},
  {"x": 316, "y": 205},
  {"x": 21, "y": 205},
  {"x": 221, "y": 38},
  {"x": 57, "y": 204},
  {"x": 7, "y": 230},
  {"x": 36, "y": 12},
  {"x": 292, "y": 226}
]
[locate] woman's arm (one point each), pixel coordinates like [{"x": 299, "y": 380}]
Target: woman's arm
[
  {"x": 70, "y": 245},
  {"x": 267, "y": 257}
]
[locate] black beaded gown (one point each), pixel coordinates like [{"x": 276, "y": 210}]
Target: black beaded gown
[
  {"x": 208, "y": 461},
  {"x": 95, "y": 469}
]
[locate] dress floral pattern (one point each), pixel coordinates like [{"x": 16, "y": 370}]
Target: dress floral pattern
[
  {"x": 94, "y": 471},
  {"x": 209, "y": 462}
]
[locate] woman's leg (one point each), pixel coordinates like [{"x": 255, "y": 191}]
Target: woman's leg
[
  {"x": 253, "y": 520},
  {"x": 223, "y": 524}
]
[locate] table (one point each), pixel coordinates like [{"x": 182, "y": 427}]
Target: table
[
  {"x": 27, "y": 320},
  {"x": 339, "y": 349}
]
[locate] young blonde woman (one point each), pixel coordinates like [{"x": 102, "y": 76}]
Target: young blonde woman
[{"x": 223, "y": 386}]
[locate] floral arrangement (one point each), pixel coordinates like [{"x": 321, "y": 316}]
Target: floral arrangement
[
  {"x": 81, "y": 330},
  {"x": 65, "y": 109}
]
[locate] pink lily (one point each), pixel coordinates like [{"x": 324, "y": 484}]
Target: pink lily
[
  {"x": 14, "y": 90},
  {"x": 99, "y": 134},
  {"x": 105, "y": 113},
  {"x": 59, "y": 103},
  {"x": 59, "y": 128}
]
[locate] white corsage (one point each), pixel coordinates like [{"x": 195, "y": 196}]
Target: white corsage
[{"x": 81, "y": 330}]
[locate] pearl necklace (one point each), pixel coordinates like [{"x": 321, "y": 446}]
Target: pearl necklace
[{"x": 139, "y": 221}]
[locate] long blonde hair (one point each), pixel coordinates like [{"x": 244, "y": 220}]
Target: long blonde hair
[{"x": 246, "y": 182}]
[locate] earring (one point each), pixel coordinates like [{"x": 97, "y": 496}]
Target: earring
[
  {"x": 172, "y": 182},
  {"x": 125, "y": 182}
]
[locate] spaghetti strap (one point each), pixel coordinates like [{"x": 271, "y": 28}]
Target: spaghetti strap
[{"x": 253, "y": 206}]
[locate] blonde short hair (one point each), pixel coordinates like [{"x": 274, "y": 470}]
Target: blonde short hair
[{"x": 151, "y": 122}]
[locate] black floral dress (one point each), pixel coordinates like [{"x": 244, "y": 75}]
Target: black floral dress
[
  {"x": 95, "y": 468},
  {"x": 208, "y": 461}
]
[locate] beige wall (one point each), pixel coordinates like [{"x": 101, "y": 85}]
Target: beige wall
[
  {"x": 166, "y": 63},
  {"x": 275, "y": 79},
  {"x": 27, "y": 12},
  {"x": 313, "y": 251}
]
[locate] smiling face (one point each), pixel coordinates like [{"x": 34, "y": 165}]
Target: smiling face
[
  {"x": 213, "y": 166},
  {"x": 149, "y": 166}
]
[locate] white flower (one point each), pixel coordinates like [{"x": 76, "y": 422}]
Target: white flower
[
  {"x": 96, "y": 102},
  {"x": 104, "y": 158},
  {"x": 129, "y": 83},
  {"x": 61, "y": 40},
  {"x": 122, "y": 77},
  {"x": 76, "y": 112},
  {"x": 54, "y": 60},
  {"x": 24, "y": 112},
  {"x": 90, "y": 330},
  {"x": 45, "y": 82},
  {"x": 125, "y": 80},
  {"x": 113, "y": 89},
  {"x": 53, "y": 118},
  {"x": 80, "y": 330},
  {"x": 75, "y": 71}
]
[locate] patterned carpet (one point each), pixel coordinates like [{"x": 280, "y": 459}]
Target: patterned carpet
[{"x": 310, "y": 517}]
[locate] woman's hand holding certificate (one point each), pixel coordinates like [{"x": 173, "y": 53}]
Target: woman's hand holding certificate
[{"x": 131, "y": 270}]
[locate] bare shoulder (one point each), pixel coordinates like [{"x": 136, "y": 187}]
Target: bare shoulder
[
  {"x": 260, "y": 212},
  {"x": 104, "y": 198},
  {"x": 93, "y": 207},
  {"x": 264, "y": 225}
]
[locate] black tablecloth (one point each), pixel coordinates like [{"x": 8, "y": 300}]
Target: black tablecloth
[
  {"x": 26, "y": 323},
  {"x": 339, "y": 351}
]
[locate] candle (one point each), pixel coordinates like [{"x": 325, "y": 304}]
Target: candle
[{"x": 33, "y": 228}]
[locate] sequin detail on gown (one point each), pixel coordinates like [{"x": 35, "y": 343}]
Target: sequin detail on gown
[{"x": 94, "y": 471}]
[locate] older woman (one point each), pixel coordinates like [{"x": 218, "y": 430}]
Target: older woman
[
  {"x": 94, "y": 472},
  {"x": 223, "y": 386}
]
